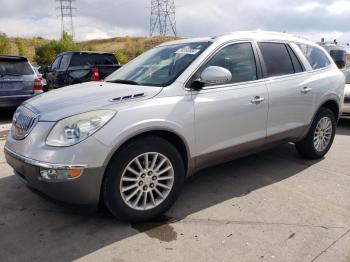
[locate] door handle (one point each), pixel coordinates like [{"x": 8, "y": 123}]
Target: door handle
[
  {"x": 306, "y": 90},
  {"x": 257, "y": 100}
]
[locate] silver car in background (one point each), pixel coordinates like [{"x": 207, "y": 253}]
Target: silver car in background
[
  {"x": 18, "y": 81},
  {"x": 132, "y": 140}
]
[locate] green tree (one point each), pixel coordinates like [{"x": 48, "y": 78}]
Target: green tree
[
  {"x": 46, "y": 53},
  {"x": 5, "y": 46},
  {"x": 22, "y": 50},
  {"x": 67, "y": 44},
  {"x": 121, "y": 56}
]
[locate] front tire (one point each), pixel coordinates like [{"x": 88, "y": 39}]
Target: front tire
[
  {"x": 320, "y": 137},
  {"x": 143, "y": 179}
]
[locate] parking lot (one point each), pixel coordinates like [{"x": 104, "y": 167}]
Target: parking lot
[{"x": 272, "y": 206}]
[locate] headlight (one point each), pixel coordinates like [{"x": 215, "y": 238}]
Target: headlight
[{"x": 72, "y": 130}]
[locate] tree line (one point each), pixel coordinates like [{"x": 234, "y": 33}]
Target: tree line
[{"x": 46, "y": 51}]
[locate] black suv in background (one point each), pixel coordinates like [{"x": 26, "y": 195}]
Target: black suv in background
[{"x": 77, "y": 67}]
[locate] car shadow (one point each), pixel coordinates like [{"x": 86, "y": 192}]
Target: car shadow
[
  {"x": 5, "y": 121},
  {"x": 344, "y": 127},
  {"x": 6, "y": 115},
  {"x": 32, "y": 228}
]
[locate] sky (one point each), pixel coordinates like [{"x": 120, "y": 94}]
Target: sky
[{"x": 110, "y": 18}]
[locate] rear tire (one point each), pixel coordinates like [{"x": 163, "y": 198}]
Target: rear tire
[
  {"x": 320, "y": 137},
  {"x": 137, "y": 186}
]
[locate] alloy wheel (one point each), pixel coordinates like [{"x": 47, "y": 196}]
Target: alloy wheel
[
  {"x": 323, "y": 134},
  {"x": 147, "y": 181}
]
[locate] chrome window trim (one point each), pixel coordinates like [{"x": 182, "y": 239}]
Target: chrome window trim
[
  {"x": 240, "y": 84},
  {"x": 37, "y": 163}
]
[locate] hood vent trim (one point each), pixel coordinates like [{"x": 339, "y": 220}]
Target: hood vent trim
[{"x": 128, "y": 97}]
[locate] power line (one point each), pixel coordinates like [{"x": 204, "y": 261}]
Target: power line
[
  {"x": 65, "y": 10},
  {"x": 162, "y": 20}
]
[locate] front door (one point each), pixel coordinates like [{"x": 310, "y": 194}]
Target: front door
[{"x": 231, "y": 118}]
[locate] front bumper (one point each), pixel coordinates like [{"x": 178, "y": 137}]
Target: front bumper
[{"x": 83, "y": 191}]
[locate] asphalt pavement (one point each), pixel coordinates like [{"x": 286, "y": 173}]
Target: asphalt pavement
[{"x": 271, "y": 206}]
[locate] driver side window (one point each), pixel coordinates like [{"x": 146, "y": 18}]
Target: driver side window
[{"x": 239, "y": 60}]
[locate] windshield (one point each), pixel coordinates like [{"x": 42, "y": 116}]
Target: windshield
[{"x": 159, "y": 66}]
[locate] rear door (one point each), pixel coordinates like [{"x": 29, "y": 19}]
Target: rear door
[
  {"x": 61, "y": 71},
  {"x": 16, "y": 77},
  {"x": 290, "y": 97}
]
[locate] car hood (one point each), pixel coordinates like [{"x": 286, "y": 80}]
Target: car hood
[{"x": 72, "y": 100}]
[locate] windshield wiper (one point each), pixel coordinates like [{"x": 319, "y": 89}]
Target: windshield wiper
[{"x": 121, "y": 81}]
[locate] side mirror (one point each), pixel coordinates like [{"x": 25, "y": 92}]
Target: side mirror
[{"x": 213, "y": 75}]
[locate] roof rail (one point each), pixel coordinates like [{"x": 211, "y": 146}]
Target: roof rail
[{"x": 259, "y": 31}]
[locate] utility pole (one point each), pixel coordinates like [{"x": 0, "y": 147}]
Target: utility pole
[
  {"x": 162, "y": 20},
  {"x": 65, "y": 12}
]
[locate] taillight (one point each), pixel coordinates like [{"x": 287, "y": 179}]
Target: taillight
[
  {"x": 95, "y": 74},
  {"x": 38, "y": 86}
]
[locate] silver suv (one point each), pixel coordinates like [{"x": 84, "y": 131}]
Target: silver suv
[{"x": 131, "y": 140}]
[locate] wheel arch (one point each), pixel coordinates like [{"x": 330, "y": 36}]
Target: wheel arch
[
  {"x": 171, "y": 136},
  {"x": 332, "y": 105}
]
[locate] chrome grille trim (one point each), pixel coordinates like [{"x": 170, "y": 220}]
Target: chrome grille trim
[{"x": 23, "y": 122}]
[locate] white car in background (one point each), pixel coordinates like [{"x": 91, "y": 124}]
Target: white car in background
[
  {"x": 339, "y": 55},
  {"x": 346, "y": 107}
]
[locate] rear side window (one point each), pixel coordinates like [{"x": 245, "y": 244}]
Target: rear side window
[
  {"x": 15, "y": 67},
  {"x": 65, "y": 61},
  {"x": 56, "y": 63},
  {"x": 86, "y": 59},
  {"x": 277, "y": 59},
  {"x": 316, "y": 57},
  {"x": 239, "y": 60}
]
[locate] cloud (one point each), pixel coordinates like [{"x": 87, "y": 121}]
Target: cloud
[
  {"x": 313, "y": 19},
  {"x": 339, "y": 7}
]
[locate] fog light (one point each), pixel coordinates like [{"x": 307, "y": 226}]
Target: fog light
[{"x": 60, "y": 174}]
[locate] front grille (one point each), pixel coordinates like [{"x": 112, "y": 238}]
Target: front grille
[{"x": 23, "y": 122}]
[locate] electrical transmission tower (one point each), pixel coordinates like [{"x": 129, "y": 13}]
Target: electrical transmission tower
[
  {"x": 162, "y": 19},
  {"x": 65, "y": 12}
]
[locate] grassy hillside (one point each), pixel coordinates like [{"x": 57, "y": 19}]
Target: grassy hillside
[{"x": 105, "y": 45}]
